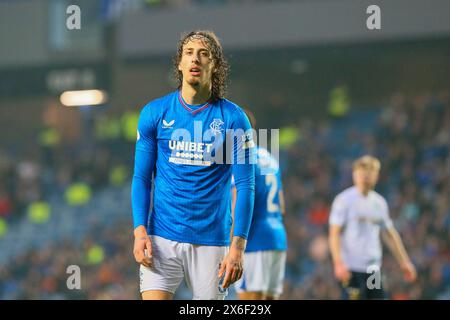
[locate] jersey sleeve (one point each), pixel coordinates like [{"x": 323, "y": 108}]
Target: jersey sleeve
[
  {"x": 387, "y": 221},
  {"x": 144, "y": 164},
  {"x": 338, "y": 214},
  {"x": 243, "y": 170}
]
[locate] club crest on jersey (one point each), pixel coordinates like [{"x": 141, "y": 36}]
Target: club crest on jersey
[
  {"x": 217, "y": 126},
  {"x": 168, "y": 125},
  {"x": 247, "y": 140}
]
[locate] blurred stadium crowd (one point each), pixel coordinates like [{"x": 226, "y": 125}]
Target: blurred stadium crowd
[{"x": 410, "y": 135}]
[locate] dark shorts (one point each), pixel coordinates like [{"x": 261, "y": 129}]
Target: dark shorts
[{"x": 357, "y": 287}]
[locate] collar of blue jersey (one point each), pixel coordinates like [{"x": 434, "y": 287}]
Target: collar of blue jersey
[{"x": 186, "y": 106}]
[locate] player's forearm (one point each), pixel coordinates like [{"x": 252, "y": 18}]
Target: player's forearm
[
  {"x": 141, "y": 187},
  {"x": 140, "y": 201},
  {"x": 335, "y": 245},
  {"x": 140, "y": 231},
  {"x": 398, "y": 248},
  {"x": 389, "y": 242},
  {"x": 243, "y": 212},
  {"x": 335, "y": 249},
  {"x": 238, "y": 244},
  {"x": 244, "y": 175}
]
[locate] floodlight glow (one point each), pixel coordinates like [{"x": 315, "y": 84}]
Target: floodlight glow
[{"x": 83, "y": 98}]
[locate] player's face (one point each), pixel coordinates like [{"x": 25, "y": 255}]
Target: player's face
[
  {"x": 365, "y": 179},
  {"x": 196, "y": 63}
]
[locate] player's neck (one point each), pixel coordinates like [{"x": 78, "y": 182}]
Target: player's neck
[
  {"x": 194, "y": 95},
  {"x": 363, "y": 190}
]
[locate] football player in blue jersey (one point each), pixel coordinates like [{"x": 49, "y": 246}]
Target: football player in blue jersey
[
  {"x": 189, "y": 143},
  {"x": 265, "y": 255}
]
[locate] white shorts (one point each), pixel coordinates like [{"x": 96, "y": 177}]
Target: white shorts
[
  {"x": 174, "y": 261},
  {"x": 263, "y": 272}
]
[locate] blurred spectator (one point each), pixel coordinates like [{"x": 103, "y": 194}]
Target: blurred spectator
[{"x": 5, "y": 204}]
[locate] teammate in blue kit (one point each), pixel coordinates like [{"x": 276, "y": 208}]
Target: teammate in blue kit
[
  {"x": 265, "y": 255},
  {"x": 190, "y": 142}
]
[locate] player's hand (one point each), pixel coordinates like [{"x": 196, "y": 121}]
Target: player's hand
[
  {"x": 409, "y": 272},
  {"x": 142, "y": 248},
  {"x": 232, "y": 266},
  {"x": 341, "y": 272}
]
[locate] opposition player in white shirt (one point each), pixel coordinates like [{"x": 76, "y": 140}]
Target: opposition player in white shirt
[{"x": 359, "y": 216}]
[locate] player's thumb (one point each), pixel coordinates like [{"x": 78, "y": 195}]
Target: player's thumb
[{"x": 148, "y": 246}]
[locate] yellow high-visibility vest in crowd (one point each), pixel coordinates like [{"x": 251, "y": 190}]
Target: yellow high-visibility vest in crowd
[
  {"x": 118, "y": 175},
  {"x": 130, "y": 121},
  {"x": 78, "y": 194},
  {"x": 95, "y": 255},
  {"x": 39, "y": 212},
  {"x": 339, "y": 103},
  {"x": 107, "y": 128},
  {"x": 288, "y": 136},
  {"x": 3, "y": 227},
  {"x": 49, "y": 137}
]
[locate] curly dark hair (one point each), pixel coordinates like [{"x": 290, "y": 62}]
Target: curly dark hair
[{"x": 219, "y": 77}]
